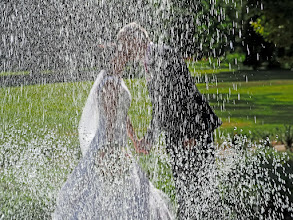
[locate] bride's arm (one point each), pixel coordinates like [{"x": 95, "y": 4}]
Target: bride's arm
[{"x": 133, "y": 137}]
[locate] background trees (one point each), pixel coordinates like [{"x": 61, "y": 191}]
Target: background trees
[
  {"x": 213, "y": 26},
  {"x": 273, "y": 22},
  {"x": 57, "y": 34},
  {"x": 261, "y": 29}
]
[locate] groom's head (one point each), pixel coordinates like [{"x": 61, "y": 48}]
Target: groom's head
[{"x": 132, "y": 41}]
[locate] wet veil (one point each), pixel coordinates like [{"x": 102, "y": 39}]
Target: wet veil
[{"x": 89, "y": 119}]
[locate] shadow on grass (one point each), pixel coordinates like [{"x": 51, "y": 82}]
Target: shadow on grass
[
  {"x": 46, "y": 78},
  {"x": 259, "y": 108},
  {"x": 248, "y": 75}
]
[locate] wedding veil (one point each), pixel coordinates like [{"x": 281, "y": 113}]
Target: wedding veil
[{"x": 88, "y": 124}]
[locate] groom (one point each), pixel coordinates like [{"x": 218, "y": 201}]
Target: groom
[{"x": 179, "y": 110}]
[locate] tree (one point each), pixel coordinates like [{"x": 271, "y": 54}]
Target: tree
[
  {"x": 206, "y": 27},
  {"x": 274, "y": 22},
  {"x": 259, "y": 28}
]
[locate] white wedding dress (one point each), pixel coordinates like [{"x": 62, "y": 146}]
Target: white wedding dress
[{"x": 107, "y": 183}]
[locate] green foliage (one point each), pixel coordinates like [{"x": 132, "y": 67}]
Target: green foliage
[
  {"x": 259, "y": 29},
  {"x": 286, "y": 62},
  {"x": 205, "y": 28},
  {"x": 158, "y": 169},
  {"x": 234, "y": 58},
  {"x": 274, "y": 22},
  {"x": 218, "y": 26}
]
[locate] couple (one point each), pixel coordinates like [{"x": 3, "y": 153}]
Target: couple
[{"x": 108, "y": 183}]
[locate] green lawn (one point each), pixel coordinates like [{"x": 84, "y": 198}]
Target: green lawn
[
  {"x": 261, "y": 101},
  {"x": 254, "y": 102},
  {"x": 38, "y": 125},
  {"x": 38, "y": 129}
]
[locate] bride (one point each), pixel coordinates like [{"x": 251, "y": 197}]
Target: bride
[{"x": 107, "y": 183}]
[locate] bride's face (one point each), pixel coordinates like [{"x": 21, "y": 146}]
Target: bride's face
[
  {"x": 132, "y": 50},
  {"x": 138, "y": 51}
]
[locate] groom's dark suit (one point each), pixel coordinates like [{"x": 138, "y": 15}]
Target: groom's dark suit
[{"x": 183, "y": 113}]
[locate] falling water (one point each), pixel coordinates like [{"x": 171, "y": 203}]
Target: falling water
[{"x": 46, "y": 42}]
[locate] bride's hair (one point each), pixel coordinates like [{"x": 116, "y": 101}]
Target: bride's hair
[{"x": 132, "y": 32}]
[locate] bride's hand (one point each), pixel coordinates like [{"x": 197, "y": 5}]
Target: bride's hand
[
  {"x": 189, "y": 143},
  {"x": 141, "y": 146}
]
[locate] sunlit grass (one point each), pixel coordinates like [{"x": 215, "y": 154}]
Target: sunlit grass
[
  {"x": 55, "y": 106},
  {"x": 254, "y": 108},
  {"x": 58, "y": 107},
  {"x": 249, "y": 105},
  {"x": 204, "y": 67}
]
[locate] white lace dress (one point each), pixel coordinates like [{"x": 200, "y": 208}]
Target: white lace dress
[{"x": 107, "y": 183}]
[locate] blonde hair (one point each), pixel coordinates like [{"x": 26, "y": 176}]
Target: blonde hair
[{"x": 133, "y": 32}]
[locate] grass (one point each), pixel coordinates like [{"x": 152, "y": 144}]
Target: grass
[
  {"x": 28, "y": 115},
  {"x": 14, "y": 73},
  {"x": 55, "y": 106},
  {"x": 252, "y": 101},
  {"x": 39, "y": 145},
  {"x": 249, "y": 102}
]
